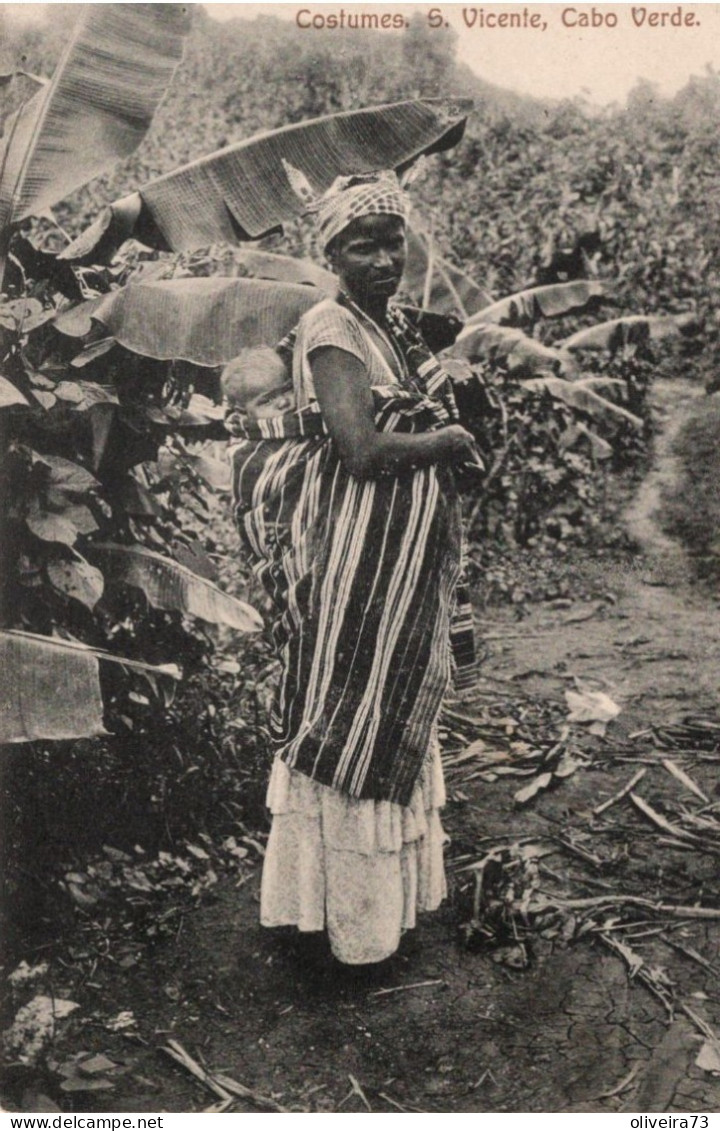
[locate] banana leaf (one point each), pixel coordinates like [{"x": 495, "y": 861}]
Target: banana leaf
[
  {"x": 243, "y": 192},
  {"x": 97, "y": 107},
  {"x": 251, "y": 264},
  {"x": 206, "y": 321},
  {"x": 526, "y": 307},
  {"x": 582, "y": 398},
  {"x": 451, "y": 290},
  {"x": 169, "y": 585},
  {"x": 16, "y": 87},
  {"x": 50, "y": 688},
  {"x": 512, "y": 348},
  {"x": 618, "y": 332}
]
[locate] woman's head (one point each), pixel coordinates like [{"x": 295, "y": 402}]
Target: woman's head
[
  {"x": 369, "y": 256},
  {"x": 349, "y": 198},
  {"x": 361, "y": 224}
]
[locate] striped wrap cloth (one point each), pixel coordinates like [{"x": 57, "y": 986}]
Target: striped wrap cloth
[{"x": 365, "y": 578}]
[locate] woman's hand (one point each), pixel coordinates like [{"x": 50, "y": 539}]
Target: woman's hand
[
  {"x": 457, "y": 445},
  {"x": 346, "y": 404}
]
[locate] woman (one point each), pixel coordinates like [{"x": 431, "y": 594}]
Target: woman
[{"x": 350, "y": 510}]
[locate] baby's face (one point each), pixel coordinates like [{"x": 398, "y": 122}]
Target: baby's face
[{"x": 270, "y": 402}]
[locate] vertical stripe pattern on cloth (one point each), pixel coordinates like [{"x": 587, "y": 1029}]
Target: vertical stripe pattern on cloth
[{"x": 363, "y": 574}]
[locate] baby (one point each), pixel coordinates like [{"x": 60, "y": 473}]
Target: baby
[{"x": 256, "y": 384}]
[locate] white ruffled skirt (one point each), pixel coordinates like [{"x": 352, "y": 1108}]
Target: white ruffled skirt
[{"x": 360, "y": 869}]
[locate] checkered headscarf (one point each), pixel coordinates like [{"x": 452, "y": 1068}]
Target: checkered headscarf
[{"x": 378, "y": 194}]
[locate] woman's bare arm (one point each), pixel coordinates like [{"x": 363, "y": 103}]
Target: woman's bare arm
[{"x": 346, "y": 403}]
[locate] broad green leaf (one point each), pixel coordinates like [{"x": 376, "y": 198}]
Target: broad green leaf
[
  {"x": 196, "y": 559},
  {"x": 47, "y": 691},
  {"x": 78, "y": 579},
  {"x": 510, "y": 347},
  {"x": 76, "y": 321},
  {"x": 49, "y": 526},
  {"x": 214, "y": 472},
  {"x": 451, "y": 290},
  {"x": 102, "y": 418},
  {"x": 135, "y": 498},
  {"x": 24, "y": 314},
  {"x": 68, "y": 391},
  {"x": 206, "y": 321},
  {"x": 80, "y": 516},
  {"x": 85, "y": 394},
  {"x": 604, "y": 384},
  {"x": 582, "y": 399},
  {"x": 169, "y": 585},
  {"x": 242, "y": 192},
  {"x": 170, "y": 670},
  {"x": 97, "y": 107},
  {"x": 618, "y": 332},
  {"x": 47, "y": 400},
  {"x": 9, "y": 395},
  {"x": 92, "y": 353},
  {"x": 65, "y": 474},
  {"x": 526, "y": 307}
]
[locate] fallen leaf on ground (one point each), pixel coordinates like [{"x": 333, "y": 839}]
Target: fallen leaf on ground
[
  {"x": 116, "y": 855},
  {"x": 37, "y": 1102},
  {"x": 86, "y": 1073},
  {"x": 542, "y": 781},
  {"x": 123, "y": 1020},
  {"x": 95, "y": 1064},
  {"x": 594, "y": 707},
  {"x": 567, "y": 765},
  {"x": 709, "y": 1057}
]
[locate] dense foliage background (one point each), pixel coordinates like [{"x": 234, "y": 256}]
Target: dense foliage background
[{"x": 529, "y": 178}]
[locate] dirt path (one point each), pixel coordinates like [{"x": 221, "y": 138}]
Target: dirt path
[
  {"x": 673, "y": 403},
  {"x": 571, "y": 1031}
]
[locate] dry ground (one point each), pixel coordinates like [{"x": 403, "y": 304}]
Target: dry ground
[{"x": 572, "y": 1031}]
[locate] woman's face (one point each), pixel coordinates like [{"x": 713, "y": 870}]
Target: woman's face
[{"x": 369, "y": 256}]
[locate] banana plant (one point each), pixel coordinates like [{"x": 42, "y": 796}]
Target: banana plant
[
  {"x": 525, "y": 308},
  {"x": 170, "y": 585},
  {"x": 243, "y": 192},
  {"x": 95, "y": 110},
  {"x": 496, "y": 332},
  {"x": 634, "y": 328},
  {"x": 520, "y": 354},
  {"x": 433, "y": 282}
]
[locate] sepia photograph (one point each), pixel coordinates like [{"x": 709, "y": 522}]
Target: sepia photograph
[{"x": 359, "y": 561}]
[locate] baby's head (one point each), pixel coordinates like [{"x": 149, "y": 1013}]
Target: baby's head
[{"x": 256, "y": 383}]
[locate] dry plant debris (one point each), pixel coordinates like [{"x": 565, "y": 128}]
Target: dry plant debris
[
  {"x": 224, "y": 1087},
  {"x": 517, "y": 902}
]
